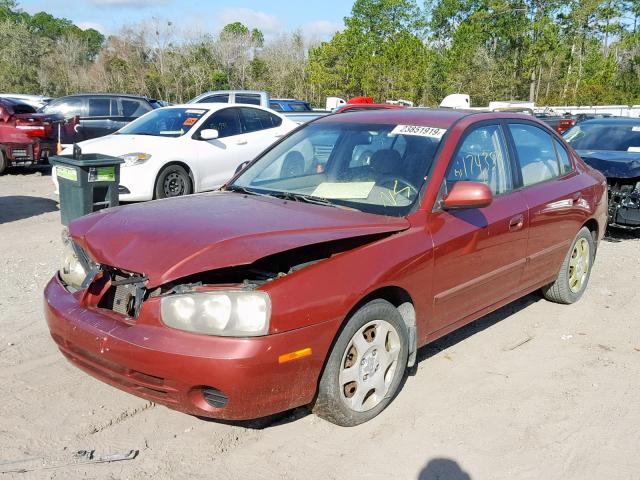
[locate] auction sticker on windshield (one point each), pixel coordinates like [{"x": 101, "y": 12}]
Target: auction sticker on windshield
[{"x": 418, "y": 130}]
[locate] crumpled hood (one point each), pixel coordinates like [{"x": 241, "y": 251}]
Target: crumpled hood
[
  {"x": 170, "y": 239},
  {"x": 117, "y": 145},
  {"x": 613, "y": 164}
]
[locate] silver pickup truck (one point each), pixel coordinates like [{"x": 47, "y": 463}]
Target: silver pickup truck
[{"x": 256, "y": 97}]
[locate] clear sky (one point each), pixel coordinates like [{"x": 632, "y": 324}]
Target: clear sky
[{"x": 316, "y": 17}]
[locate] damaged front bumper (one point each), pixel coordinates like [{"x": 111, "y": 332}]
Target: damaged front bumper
[
  {"x": 218, "y": 377},
  {"x": 624, "y": 202}
]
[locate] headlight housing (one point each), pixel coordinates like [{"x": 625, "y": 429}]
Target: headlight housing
[
  {"x": 232, "y": 313},
  {"x": 136, "y": 158},
  {"x": 72, "y": 270}
]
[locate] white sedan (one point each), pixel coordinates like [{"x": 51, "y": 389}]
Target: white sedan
[{"x": 186, "y": 149}]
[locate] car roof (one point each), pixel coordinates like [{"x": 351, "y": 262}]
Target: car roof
[
  {"x": 124, "y": 95},
  {"x": 14, "y": 101},
  {"x": 432, "y": 117},
  {"x": 218, "y": 106},
  {"x": 612, "y": 121},
  {"x": 215, "y": 92}
]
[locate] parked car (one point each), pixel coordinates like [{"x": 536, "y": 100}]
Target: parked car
[
  {"x": 26, "y": 137},
  {"x": 185, "y": 149},
  {"x": 612, "y": 146},
  {"x": 247, "y": 97},
  {"x": 36, "y": 101},
  {"x": 559, "y": 123},
  {"x": 99, "y": 114},
  {"x": 289, "y": 105},
  {"x": 313, "y": 280}
]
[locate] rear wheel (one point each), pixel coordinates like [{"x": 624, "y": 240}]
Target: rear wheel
[
  {"x": 365, "y": 367},
  {"x": 173, "y": 181},
  {"x": 3, "y": 162},
  {"x": 575, "y": 271}
]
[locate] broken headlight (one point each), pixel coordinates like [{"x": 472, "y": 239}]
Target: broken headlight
[
  {"x": 224, "y": 313},
  {"x": 72, "y": 270}
]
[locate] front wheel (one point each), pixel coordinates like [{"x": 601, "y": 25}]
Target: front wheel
[
  {"x": 173, "y": 181},
  {"x": 575, "y": 271},
  {"x": 365, "y": 367}
]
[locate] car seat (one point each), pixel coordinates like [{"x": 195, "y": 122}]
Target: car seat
[{"x": 292, "y": 165}]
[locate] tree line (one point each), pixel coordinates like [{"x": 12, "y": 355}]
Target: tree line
[{"x": 547, "y": 51}]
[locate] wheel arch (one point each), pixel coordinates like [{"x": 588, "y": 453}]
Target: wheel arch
[
  {"x": 401, "y": 299},
  {"x": 594, "y": 228},
  {"x": 180, "y": 163}
]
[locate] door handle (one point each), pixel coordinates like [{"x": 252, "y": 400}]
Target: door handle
[
  {"x": 516, "y": 223},
  {"x": 241, "y": 142}
]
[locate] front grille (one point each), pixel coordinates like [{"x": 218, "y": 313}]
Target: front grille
[{"x": 126, "y": 293}]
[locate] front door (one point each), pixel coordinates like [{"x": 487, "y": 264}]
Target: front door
[
  {"x": 479, "y": 254},
  {"x": 219, "y": 158}
]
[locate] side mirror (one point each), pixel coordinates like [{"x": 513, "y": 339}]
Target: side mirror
[
  {"x": 209, "y": 134},
  {"x": 467, "y": 195},
  {"x": 241, "y": 166}
]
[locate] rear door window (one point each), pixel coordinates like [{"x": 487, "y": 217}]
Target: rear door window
[
  {"x": 254, "y": 120},
  {"x": 248, "y": 98},
  {"x": 563, "y": 157},
  {"x": 482, "y": 157},
  {"x": 536, "y": 153}
]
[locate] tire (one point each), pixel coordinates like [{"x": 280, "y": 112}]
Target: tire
[
  {"x": 173, "y": 181},
  {"x": 575, "y": 271},
  {"x": 4, "y": 163},
  {"x": 371, "y": 349}
]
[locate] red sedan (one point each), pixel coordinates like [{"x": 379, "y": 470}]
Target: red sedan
[{"x": 321, "y": 268}]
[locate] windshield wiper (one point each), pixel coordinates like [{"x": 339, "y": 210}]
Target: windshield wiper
[
  {"x": 300, "y": 197},
  {"x": 239, "y": 189}
]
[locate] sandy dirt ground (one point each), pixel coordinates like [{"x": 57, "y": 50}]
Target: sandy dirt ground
[{"x": 533, "y": 391}]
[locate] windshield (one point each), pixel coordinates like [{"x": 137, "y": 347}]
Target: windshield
[
  {"x": 165, "y": 122},
  {"x": 371, "y": 168},
  {"x": 599, "y": 136}
]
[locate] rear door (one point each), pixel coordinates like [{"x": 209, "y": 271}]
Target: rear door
[
  {"x": 479, "y": 254},
  {"x": 261, "y": 129},
  {"x": 555, "y": 195}
]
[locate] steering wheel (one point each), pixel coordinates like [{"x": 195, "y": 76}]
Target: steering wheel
[{"x": 399, "y": 186}]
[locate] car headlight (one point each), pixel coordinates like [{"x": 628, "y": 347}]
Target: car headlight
[
  {"x": 131, "y": 159},
  {"x": 223, "y": 313},
  {"x": 72, "y": 270}
]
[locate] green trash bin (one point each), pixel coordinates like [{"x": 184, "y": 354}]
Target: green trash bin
[{"x": 86, "y": 182}]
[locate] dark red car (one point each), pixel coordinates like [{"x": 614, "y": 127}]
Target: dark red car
[
  {"x": 26, "y": 137},
  {"x": 312, "y": 279}
]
